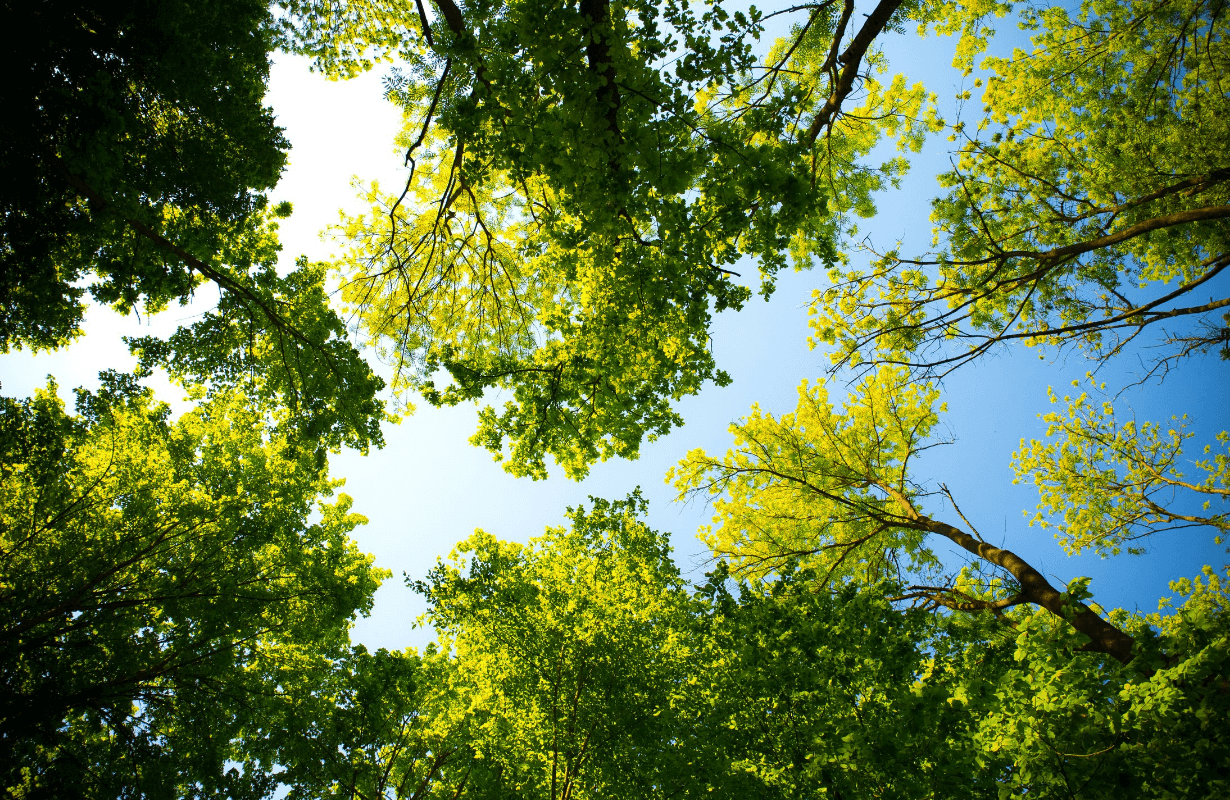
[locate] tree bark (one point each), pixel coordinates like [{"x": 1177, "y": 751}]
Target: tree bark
[
  {"x": 1035, "y": 588},
  {"x": 851, "y": 60}
]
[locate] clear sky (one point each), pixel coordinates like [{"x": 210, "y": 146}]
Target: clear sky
[{"x": 429, "y": 488}]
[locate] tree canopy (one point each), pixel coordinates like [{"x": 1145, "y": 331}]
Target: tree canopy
[
  {"x": 131, "y": 130},
  {"x": 582, "y": 181},
  {"x": 138, "y": 156},
  {"x": 571, "y": 213},
  {"x": 579, "y": 666},
  {"x": 584, "y": 184},
  {"x": 1086, "y": 205}
]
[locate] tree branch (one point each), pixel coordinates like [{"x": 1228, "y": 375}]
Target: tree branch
[{"x": 851, "y": 60}]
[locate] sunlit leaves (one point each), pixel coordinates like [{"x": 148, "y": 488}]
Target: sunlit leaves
[
  {"x": 807, "y": 693},
  {"x": 1086, "y": 204},
  {"x": 145, "y": 566},
  {"x": 1104, "y": 482},
  {"x": 582, "y": 182},
  {"x": 1056, "y": 718},
  {"x": 821, "y": 484},
  {"x": 568, "y": 652},
  {"x": 276, "y": 339}
]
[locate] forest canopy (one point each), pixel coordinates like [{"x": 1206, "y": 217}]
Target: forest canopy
[{"x": 586, "y": 186}]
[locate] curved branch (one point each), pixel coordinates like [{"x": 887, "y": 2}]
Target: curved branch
[{"x": 1035, "y": 588}]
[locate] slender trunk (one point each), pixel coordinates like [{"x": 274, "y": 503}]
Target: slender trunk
[{"x": 851, "y": 61}]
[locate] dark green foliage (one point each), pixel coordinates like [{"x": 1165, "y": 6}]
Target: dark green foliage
[
  {"x": 805, "y": 693},
  {"x": 116, "y": 112},
  {"x": 137, "y": 153}
]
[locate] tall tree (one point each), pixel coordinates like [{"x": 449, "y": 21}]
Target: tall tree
[
  {"x": 802, "y": 693},
  {"x": 364, "y": 725},
  {"x": 138, "y": 156},
  {"x": 588, "y": 671},
  {"x": 577, "y": 666},
  {"x": 581, "y": 182},
  {"x": 130, "y": 131},
  {"x": 835, "y": 487},
  {"x": 572, "y": 205},
  {"x": 1051, "y": 721},
  {"x": 147, "y": 566},
  {"x": 1090, "y": 203},
  {"x": 568, "y": 654}
]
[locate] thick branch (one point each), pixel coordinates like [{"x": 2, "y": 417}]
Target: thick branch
[
  {"x": 1139, "y": 229},
  {"x": 1105, "y": 638},
  {"x": 426, "y": 25},
  {"x": 452, "y": 16},
  {"x": 1035, "y": 588},
  {"x": 851, "y": 61}
]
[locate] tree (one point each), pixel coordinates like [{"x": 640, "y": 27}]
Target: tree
[
  {"x": 803, "y": 693},
  {"x": 138, "y": 155},
  {"x": 131, "y": 130},
  {"x": 364, "y": 725},
  {"x": 548, "y": 685},
  {"x": 568, "y": 226},
  {"x": 1089, "y": 204},
  {"x": 1051, "y": 721},
  {"x": 303, "y": 362},
  {"x": 835, "y": 488},
  {"x": 578, "y": 666},
  {"x": 148, "y": 566},
  {"x": 568, "y": 653},
  {"x": 1103, "y": 483},
  {"x": 573, "y": 209}
]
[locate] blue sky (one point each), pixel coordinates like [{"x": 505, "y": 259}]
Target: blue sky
[{"x": 428, "y": 487}]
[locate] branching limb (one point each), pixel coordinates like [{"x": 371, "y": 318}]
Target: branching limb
[{"x": 851, "y": 61}]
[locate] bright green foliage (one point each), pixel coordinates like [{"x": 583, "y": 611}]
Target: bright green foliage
[
  {"x": 576, "y": 666},
  {"x": 568, "y": 653},
  {"x": 1112, "y": 482},
  {"x": 834, "y": 490},
  {"x": 344, "y": 38},
  {"x": 296, "y": 357},
  {"x": 586, "y": 671},
  {"x": 582, "y": 180},
  {"x": 1090, "y": 201},
  {"x": 145, "y": 567},
  {"x": 831, "y": 489},
  {"x": 579, "y": 657},
  {"x": 821, "y": 484},
  {"x": 797, "y": 81}
]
